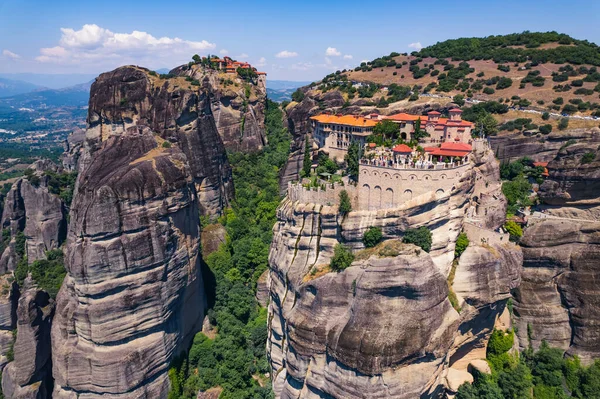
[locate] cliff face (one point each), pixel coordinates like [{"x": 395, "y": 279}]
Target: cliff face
[
  {"x": 238, "y": 106},
  {"x": 133, "y": 295},
  {"x": 39, "y": 214},
  {"x": 175, "y": 110},
  {"x": 384, "y": 327},
  {"x": 558, "y": 298}
]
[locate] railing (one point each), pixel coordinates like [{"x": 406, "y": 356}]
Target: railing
[{"x": 424, "y": 166}]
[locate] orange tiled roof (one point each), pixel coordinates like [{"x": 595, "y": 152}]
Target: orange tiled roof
[
  {"x": 349, "y": 120},
  {"x": 456, "y": 146},
  {"x": 403, "y": 148}
]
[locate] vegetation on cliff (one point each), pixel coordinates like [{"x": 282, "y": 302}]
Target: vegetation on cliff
[
  {"x": 235, "y": 358},
  {"x": 542, "y": 374}
]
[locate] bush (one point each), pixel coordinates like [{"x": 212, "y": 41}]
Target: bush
[
  {"x": 500, "y": 342},
  {"x": 298, "y": 95},
  {"x": 462, "y": 242},
  {"x": 588, "y": 157},
  {"x": 563, "y": 124},
  {"x": 504, "y": 83},
  {"x": 345, "y": 205},
  {"x": 420, "y": 237},
  {"x": 342, "y": 258},
  {"x": 459, "y": 99},
  {"x": 546, "y": 116},
  {"x": 545, "y": 129},
  {"x": 515, "y": 231},
  {"x": 488, "y": 90},
  {"x": 166, "y": 144},
  {"x": 372, "y": 237}
]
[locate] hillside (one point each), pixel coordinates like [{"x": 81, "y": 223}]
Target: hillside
[
  {"x": 539, "y": 71},
  {"x": 11, "y": 87}
]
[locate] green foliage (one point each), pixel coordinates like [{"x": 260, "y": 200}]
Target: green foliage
[
  {"x": 421, "y": 237},
  {"x": 500, "y": 342},
  {"x": 372, "y": 237},
  {"x": 62, "y": 184},
  {"x": 387, "y": 129},
  {"x": 504, "y": 83},
  {"x": 345, "y": 204},
  {"x": 563, "y": 124},
  {"x": 342, "y": 258},
  {"x": 588, "y": 157},
  {"x": 20, "y": 242},
  {"x": 247, "y": 74},
  {"x": 352, "y": 159},
  {"x": 462, "y": 242},
  {"x": 517, "y": 192},
  {"x": 513, "y": 228},
  {"x": 459, "y": 100},
  {"x": 298, "y": 95},
  {"x": 307, "y": 160},
  {"x": 47, "y": 273},
  {"x": 546, "y": 129},
  {"x": 32, "y": 177}
]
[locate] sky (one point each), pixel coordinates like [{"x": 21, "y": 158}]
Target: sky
[{"x": 290, "y": 40}]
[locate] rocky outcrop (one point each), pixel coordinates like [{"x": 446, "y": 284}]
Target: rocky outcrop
[
  {"x": 9, "y": 296},
  {"x": 175, "y": 110},
  {"x": 133, "y": 296},
  {"x": 30, "y": 374},
  {"x": 558, "y": 299},
  {"x": 384, "y": 327},
  {"x": 540, "y": 147},
  {"x": 40, "y": 215},
  {"x": 73, "y": 147},
  {"x": 238, "y": 106}
]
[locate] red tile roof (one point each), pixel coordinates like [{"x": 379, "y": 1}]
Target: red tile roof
[
  {"x": 455, "y": 110},
  {"x": 433, "y": 113},
  {"x": 402, "y": 148},
  {"x": 456, "y": 146}
]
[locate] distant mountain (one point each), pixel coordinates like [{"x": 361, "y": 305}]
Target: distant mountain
[
  {"x": 48, "y": 80},
  {"x": 74, "y": 96},
  {"x": 10, "y": 87},
  {"x": 281, "y": 90}
]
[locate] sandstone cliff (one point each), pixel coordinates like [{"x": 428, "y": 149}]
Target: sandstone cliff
[
  {"x": 558, "y": 299},
  {"x": 237, "y": 105},
  {"x": 175, "y": 110},
  {"x": 133, "y": 295},
  {"x": 40, "y": 215},
  {"x": 384, "y": 327}
]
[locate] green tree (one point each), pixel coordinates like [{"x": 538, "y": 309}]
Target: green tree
[
  {"x": 387, "y": 129},
  {"x": 342, "y": 258},
  {"x": 307, "y": 162},
  {"x": 488, "y": 124},
  {"x": 462, "y": 242},
  {"x": 419, "y": 133},
  {"x": 352, "y": 159},
  {"x": 459, "y": 100},
  {"x": 546, "y": 116},
  {"x": 345, "y": 205},
  {"x": 298, "y": 96},
  {"x": 372, "y": 237},
  {"x": 563, "y": 124},
  {"x": 196, "y": 58},
  {"x": 421, "y": 237},
  {"x": 513, "y": 228}
]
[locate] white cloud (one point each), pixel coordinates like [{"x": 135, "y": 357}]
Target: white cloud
[
  {"x": 224, "y": 52},
  {"x": 261, "y": 62},
  {"x": 242, "y": 56},
  {"x": 417, "y": 46},
  {"x": 286, "y": 54},
  {"x": 10, "y": 54},
  {"x": 347, "y": 57},
  {"x": 332, "y": 52},
  {"x": 95, "y": 46}
]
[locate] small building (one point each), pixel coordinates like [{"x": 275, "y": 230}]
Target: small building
[
  {"x": 439, "y": 129},
  {"x": 334, "y": 133},
  {"x": 449, "y": 151}
]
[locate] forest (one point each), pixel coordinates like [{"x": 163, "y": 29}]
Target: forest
[{"x": 235, "y": 359}]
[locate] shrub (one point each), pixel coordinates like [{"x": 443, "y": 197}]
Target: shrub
[
  {"x": 504, "y": 68},
  {"x": 372, "y": 237},
  {"x": 504, "y": 83},
  {"x": 545, "y": 129},
  {"x": 342, "y": 258},
  {"x": 166, "y": 144},
  {"x": 546, "y": 116},
  {"x": 345, "y": 205},
  {"x": 588, "y": 157},
  {"x": 515, "y": 231},
  {"x": 500, "y": 342},
  {"x": 420, "y": 237},
  {"x": 459, "y": 99},
  {"x": 563, "y": 124},
  {"x": 298, "y": 95},
  {"x": 558, "y": 101},
  {"x": 488, "y": 90},
  {"x": 462, "y": 242}
]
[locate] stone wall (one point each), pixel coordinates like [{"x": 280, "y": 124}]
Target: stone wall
[
  {"x": 384, "y": 188},
  {"x": 328, "y": 197}
]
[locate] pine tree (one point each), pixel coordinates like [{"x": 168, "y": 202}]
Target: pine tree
[
  {"x": 307, "y": 163},
  {"x": 352, "y": 159}
]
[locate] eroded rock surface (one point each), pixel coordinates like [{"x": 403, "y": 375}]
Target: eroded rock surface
[
  {"x": 133, "y": 296},
  {"x": 384, "y": 327},
  {"x": 30, "y": 374}
]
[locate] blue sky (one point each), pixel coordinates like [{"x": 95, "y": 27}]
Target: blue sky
[{"x": 288, "y": 40}]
